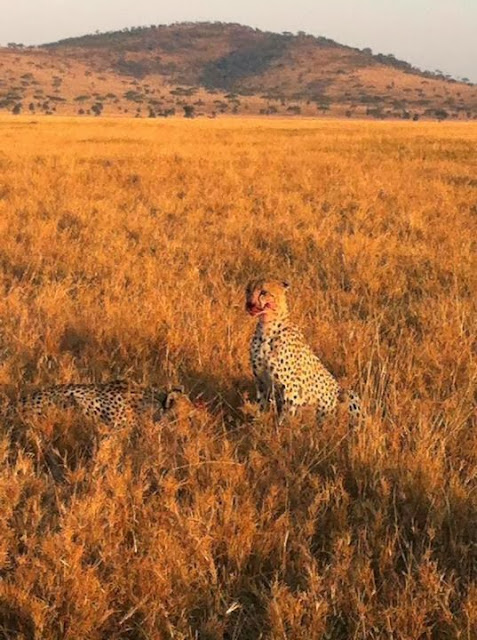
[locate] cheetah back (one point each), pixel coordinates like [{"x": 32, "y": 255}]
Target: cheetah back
[
  {"x": 115, "y": 402},
  {"x": 301, "y": 374}
]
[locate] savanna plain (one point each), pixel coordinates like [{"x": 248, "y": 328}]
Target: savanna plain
[{"x": 125, "y": 247}]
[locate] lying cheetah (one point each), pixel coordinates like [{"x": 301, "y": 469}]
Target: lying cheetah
[
  {"x": 286, "y": 370},
  {"x": 115, "y": 403}
]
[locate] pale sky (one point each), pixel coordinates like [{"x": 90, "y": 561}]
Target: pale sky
[{"x": 431, "y": 34}]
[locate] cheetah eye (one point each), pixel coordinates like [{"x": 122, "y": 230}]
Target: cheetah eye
[{"x": 263, "y": 292}]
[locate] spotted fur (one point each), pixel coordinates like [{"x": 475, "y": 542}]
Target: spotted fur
[
  {"x": 115, "y": 403},
  {"x": 287, "y": 372}
]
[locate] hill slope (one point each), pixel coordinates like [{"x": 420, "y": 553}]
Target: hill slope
[{"x": 217, "y": 68}]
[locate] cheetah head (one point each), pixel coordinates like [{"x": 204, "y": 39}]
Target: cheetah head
[{"x": 266, "y": 298}]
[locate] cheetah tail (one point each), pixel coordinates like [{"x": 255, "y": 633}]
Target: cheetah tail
[{"x": 352, "y": 400}]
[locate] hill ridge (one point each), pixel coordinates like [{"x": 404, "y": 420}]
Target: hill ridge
[{"x": 265, "y": 72}]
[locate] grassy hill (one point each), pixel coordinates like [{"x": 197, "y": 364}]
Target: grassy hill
[{"x": 214, "y": 68}]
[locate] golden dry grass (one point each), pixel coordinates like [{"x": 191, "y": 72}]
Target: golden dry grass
[{"x": 125, "y": 247}]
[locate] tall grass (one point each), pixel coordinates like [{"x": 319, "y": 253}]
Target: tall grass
[{"x": 124, "y": 248}]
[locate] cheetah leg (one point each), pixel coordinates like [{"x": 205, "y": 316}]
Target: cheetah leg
[
  {"x": 285, "y": 406},
  {"x": 263, "y": 394},
  {"x": 288, "y": 411}
]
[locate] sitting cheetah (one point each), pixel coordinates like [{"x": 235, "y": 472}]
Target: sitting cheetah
[
  {"x": 116, "y": 402},
  {"x": 286, "y": 370}
]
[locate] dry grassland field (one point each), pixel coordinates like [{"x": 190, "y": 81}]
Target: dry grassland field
[{"x": 125, "y": 247}]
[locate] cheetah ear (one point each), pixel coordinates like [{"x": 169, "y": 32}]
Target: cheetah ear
[
  {"x": 169, "y": 400},
  {"x": 285, "y": 284},
  {"x": 171, "y": 397}
]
